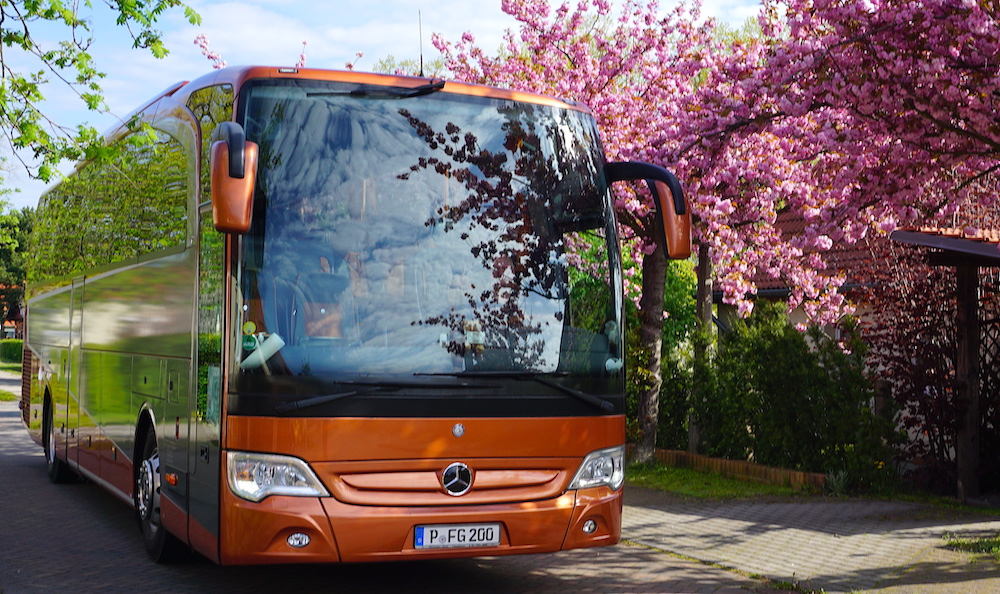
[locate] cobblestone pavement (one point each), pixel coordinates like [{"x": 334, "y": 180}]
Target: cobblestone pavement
[
  {"x": 77, "y": 537},
  {"x": 828, "y": 544}
]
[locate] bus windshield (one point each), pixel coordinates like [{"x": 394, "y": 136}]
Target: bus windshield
[{"x": 400, "y": 233}]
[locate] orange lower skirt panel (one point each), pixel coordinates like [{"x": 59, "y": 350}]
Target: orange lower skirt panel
[
  {"x": 203, "y": 541},
  {"x": 257, "y": 533},
  {"x": 380, "y": 533}
]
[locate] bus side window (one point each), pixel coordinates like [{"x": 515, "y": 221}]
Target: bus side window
[{"x": 210, "y": 106}]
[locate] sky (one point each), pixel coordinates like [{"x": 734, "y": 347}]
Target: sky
[{"x": 271, "y": 32}]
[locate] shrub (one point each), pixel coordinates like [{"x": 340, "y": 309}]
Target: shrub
[
  {"x": 11, "y": 350},
  {"x": 797, "y": 400}
]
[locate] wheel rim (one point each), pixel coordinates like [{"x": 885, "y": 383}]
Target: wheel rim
[{"x": 148, "y": 491}]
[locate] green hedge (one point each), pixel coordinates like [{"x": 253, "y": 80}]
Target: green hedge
[
  {"x": 799, "y": 401},
  {"x": 10, "y": 350}
]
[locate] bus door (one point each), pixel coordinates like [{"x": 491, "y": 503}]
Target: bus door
[{"x": 172, "y": 437}]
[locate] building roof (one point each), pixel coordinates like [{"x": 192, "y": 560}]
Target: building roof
[{"x": 983, "y": 247}]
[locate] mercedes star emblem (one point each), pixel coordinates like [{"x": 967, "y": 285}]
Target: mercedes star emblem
[{"x": 456, "y": 479}]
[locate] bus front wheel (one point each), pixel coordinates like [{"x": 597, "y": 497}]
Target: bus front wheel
[{"x": 162, "y": 546}]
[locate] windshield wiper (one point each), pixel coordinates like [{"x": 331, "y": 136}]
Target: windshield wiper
[
  {"x": 385, "y": 92},
  {"x": 370, "y": 387},
  {"x": 323, "y": 399},
  {"x": 591, "y": 399}
]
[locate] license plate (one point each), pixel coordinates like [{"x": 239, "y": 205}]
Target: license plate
[{"x": 445, "y": 536}]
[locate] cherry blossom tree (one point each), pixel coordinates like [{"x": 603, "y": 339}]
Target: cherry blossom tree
[
  {"x": 859, "y": 115},
  {"x": 915, "y": 86}
]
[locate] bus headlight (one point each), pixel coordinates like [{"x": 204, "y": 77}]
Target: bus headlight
[
  {"x": 600, "y": 468},
  {"x": 256, "y": 476}
]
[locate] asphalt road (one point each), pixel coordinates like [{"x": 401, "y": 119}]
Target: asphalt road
[{"x": 79, "y": 538}]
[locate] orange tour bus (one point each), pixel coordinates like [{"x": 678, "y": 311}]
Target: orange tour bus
[{"x": 305, "y": 315}]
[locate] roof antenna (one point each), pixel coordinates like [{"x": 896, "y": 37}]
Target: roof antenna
[{"x": 420, "y": 28}]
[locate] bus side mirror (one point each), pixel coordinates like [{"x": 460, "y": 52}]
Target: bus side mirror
[
  {"x": 233, "y": 162},
  {"x": 668, "y": 196}
]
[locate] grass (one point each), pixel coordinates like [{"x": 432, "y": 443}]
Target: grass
[
  {"x": 13, "y": 368},
  {"x": 688, "y": 482},
  {"x": 989, "y": 546}
]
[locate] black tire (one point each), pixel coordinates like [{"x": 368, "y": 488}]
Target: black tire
[
  {"x": 58, "y": 471},
  {"x": 162, "y": 546}
]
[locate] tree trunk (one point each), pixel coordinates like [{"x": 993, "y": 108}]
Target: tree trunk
[
  {"x": 703, "y": 302},
  {"x": 654, "y": 271}
]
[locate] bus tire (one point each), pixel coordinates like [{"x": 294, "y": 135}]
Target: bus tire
[
  {"x": 162, "y": 546},
  {"x": 58, "y": 471}
]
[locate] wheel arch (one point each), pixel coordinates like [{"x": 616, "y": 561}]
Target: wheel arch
[{"x": 145, "y": 421}]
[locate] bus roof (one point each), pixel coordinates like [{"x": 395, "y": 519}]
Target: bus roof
[{"x": 239, "y": 75}]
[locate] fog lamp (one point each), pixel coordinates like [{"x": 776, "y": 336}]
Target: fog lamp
[
  {"x": 589, "y": 527},
  {"x": 298, "y": 540}
]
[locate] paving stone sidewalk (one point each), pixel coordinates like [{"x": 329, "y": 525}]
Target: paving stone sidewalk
[{"x": 821, "y": 544}]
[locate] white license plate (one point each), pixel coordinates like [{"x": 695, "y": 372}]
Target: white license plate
[{"x": 444, "y": 536}]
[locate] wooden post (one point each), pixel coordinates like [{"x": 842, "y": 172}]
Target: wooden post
[
  {"x": 703, "y": 304},
  {"x": 967, "y": 381}
]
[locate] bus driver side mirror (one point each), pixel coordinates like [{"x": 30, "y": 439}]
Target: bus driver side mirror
[
  {"x": 671, "y": 205},
  {"x": 233, "y": 162}
]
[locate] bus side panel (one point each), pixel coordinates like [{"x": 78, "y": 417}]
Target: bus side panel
[
  {"x": 30, "y": 392},
  {"x": 77, "y": 420},
  {"x": 138, "y": 338},
  {"x": 89, "y": 428},
  {"x": 118, "y": 415},
  {"x": 48, "y": 337}
]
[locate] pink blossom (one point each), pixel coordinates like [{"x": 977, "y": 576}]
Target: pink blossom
[
  {"x": 302, "y": 57},
  {"x": 857, "y": 115}
]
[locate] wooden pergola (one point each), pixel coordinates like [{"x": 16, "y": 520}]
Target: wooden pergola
[{"x": 966, "y": 254}]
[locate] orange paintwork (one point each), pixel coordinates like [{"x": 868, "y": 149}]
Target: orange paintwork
[
  {"x": 676, "y": 228},
  {"x": 232, "y": 198},
  {"x": 384, "y": 476},
  {"x": 602, "y": 505},
  {"x": 495, "y": 480},
  {"x": 203, "y": 541},
  {"x": 384, "y": 533},
  {"x": 237, "y": 76},
  {"x": 253, "y": 533},
  {"x": 174, "y": 519},
  {"x": 364, "y": 439}
]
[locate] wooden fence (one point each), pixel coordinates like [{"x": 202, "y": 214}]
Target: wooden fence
[{"x": 742, "y": 469}]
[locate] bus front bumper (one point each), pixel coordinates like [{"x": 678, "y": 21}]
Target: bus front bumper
[{"x": 284, "y": 529}]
